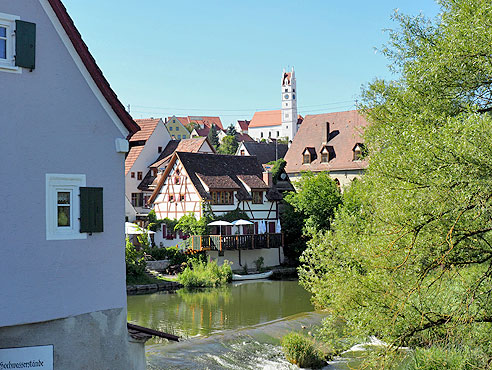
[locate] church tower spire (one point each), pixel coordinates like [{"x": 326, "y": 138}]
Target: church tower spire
[{"x": 289, "y": 104}]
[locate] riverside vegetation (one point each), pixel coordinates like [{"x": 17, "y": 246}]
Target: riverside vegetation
[{"x": 407, "y": 256}]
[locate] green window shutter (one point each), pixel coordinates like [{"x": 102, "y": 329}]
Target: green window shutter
[
  {"x": 91, "y": 210},
  {"x": 25, "y": 44}
]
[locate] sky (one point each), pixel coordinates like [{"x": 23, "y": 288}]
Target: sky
[{"x": 225, "y": 57}]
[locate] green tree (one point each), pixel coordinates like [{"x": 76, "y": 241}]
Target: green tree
[
  {"x": 231, "y": 130},
  {"x": 317, "y": 198},
  {"x": 213, "y": 137},
  {"x": 277, "y": 169},
  {"x": 229, "y": 145},
  {"x": 409, "y": 256},
  {"x": 191, "y": 126}
]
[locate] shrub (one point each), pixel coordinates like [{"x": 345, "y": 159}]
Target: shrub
[
  {"x": 259, "y": 263},
  {"x": 134, "y": 260},
  {"x": 302, "y": 351},
  {"x": 205, "y": 274}
]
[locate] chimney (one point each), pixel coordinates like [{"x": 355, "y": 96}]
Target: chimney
[
  {"x": 165, "y": 120},
  {"x": 267, "y": 178},
  {"x": 327, "y": 137}
]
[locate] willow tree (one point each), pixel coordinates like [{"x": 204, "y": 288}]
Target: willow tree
[{"x": 409, "y": 256}]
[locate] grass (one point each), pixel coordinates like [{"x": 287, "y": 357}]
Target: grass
[
  {"x": 200, "y": 274},
  {"x": 302, "y": 351}
]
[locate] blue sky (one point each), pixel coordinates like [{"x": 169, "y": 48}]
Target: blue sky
[{"x": 225, "y": 58}]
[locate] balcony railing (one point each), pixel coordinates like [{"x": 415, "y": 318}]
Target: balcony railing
[{"x": 236, "y": 242}]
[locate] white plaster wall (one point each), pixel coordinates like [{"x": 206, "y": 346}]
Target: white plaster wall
[
  {"x": 148, "y": 155},
  {"x": 249, "y": 256},
  {"x": 53, "y": 123},
  {"x": 345, "y": 177},
  {"x": 255, "y": 132}
]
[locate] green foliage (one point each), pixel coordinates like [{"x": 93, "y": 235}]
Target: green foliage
[
  {"x": 302, "y": 351},
  {"x": 409, "y": 254},
  {"x": 283, "y": 140},
  {"x": 191, "y": 226},
  {"x": 437, "y": 358},
  {"x": 155, "y": 224},
  {"x": 230, "y": 216},
  {"x": 134, "y": 260},
  {"x": 205, "y": 274},
  {"x": 277, "y": 169},
  {"x": 213, "y": 137},
  {"x": 260, "y": 264},
  {"x": 231, "y": 130},
  {"x": 229, "y": 145},
  {"x": 317, "y": 199},
  {"x": 292, "y": 226},
  {"x": 191, "y": 126},
  {"x": 173, "y": 254}
]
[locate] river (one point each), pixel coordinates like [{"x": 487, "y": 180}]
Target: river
[{"x": 235, "y": 327}]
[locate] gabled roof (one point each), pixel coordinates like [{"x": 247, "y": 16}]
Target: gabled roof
[
  {"x": 266, "y": 118},
  {"x": 243, "y": 137},
  {"x": 91, "y": 65},
  {"x": 253, "y": 181},
  {"x": 218, "y": 182},
  {"x": 265, "y": 152},
  {"x": 345, "y": 129},
  {"x": 243, "y": 124},
  {"x": 269, "y": 118},
  {"x": 132, "y": 157},
  {"x": 215, "y": 169},
  {"x": 205, "y": 121},
  {"x": 147, "y": 128},
  {"x": 192, "y": 145}
]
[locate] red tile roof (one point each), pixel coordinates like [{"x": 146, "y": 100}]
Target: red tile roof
[
  {"x": 91, "y": 65},
  {"x": 268, "y": 118},
  {"x": 205, "y": 121},
  {"x": 243, "y": 124},
  {"x": 132, "y": 157},
  {"x": 345, "y": 130},
  {"x": 147, "y": 127}
]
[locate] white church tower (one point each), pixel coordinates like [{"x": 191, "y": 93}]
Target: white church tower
[{"x": 289, "y": 104}]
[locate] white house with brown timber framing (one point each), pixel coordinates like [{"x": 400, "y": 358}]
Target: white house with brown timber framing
[{"x": 225, "y": 183}]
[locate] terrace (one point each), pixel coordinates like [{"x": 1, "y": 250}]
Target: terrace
[{"x": 236, "y": 242}]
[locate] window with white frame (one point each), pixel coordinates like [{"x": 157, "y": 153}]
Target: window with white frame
[
  {"x": 7, "y": 41},
  {"x": 63, "y": 206}
]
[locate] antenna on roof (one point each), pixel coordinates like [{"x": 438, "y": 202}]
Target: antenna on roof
[{"x": 128, "y": 108}]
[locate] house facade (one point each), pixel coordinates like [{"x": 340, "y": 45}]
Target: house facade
[
  {"x": 329, "y": 142},
  {"x": 145, "y": 146},
  {"x": 282, "y": 123},
  {"x": 62, "y": 268},
  {"x": 196, "y": 182},
  {"x": 176, "y": 127}
]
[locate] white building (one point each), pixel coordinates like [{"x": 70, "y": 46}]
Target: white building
[
  {"x": 282, "y": 123},
  {"x": 62, "y": 263},
  {"x": 193, "y": 182},
  {"x": 145, "y": 146}
]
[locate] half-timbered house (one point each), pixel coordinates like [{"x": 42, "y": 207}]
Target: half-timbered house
[{"x": 196, "y": 182}]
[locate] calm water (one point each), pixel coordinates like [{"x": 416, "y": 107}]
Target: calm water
[{"x": 235, "y": 327}]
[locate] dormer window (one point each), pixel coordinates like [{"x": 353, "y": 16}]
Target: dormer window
[
  {"x": 257, "y": 197},
  {"x": 358, "y": 151},
  {"x": 327, "y": 153},
  {"x": 222, "y": 197},
  {"x": 308, "y": 155}
]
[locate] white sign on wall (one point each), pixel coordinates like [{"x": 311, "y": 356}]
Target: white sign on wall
[{"x": 38, "y": 358}]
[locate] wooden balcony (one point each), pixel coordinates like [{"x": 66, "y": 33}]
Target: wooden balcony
[{"x": 236, "y": 242}]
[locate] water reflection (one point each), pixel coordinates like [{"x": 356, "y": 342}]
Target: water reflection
[{"x": 203, "y": 312}]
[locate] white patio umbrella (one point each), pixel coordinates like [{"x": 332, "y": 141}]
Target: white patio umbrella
[
  {"x": 134, "y": 229},
  {"x": 278, "y": 227},
  {"x": 243, "y": 223},
  {"x": 220, "y": 224}
]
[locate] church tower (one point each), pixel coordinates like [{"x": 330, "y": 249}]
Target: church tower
[{"x": 289, "y": 104}]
